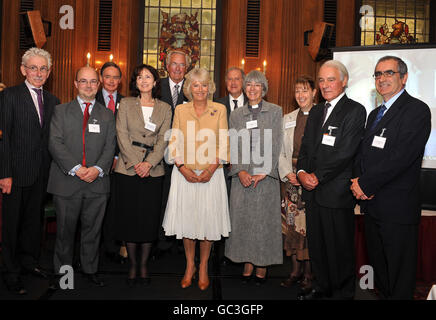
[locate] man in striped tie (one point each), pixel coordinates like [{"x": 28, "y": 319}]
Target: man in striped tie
[
  {"x": 25, "y": 114},
  {"x": 82, "y": 144}
]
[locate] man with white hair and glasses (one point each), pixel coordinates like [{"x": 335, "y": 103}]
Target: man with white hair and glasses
[{"x": 25, "y": 115}]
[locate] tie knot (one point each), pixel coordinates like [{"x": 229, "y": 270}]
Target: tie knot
[
  {"x": 111, "y": 97},
  {"x": 176, "y": 87},
  {"x": 383, "y": 107},
  {"x": 328, "y": 105},
  {"x": 38, "y": 91},
  {"x": 87, "y": 104}
]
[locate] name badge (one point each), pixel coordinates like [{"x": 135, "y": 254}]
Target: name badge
[
  {"x": 150, "y": 126},
  {"x": 94, "y": 128},
  {"x": 328, "y": 140},
  {"x": 290, "y": 124},
  {"x": 251, "y": 124},
  {"x": 379, "y": 142}
]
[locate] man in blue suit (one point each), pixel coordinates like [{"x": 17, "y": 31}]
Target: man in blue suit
[{"x": 388, "y": 169}]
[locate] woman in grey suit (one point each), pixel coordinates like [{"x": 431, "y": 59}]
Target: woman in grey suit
[
  {"x": 141, "y": 125},
  {"x": 255, "y": 194}
]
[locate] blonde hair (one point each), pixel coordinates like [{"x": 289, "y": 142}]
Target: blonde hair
[
  {"x": 201, "y": 75},
  {"x": 36, "y": 52}
]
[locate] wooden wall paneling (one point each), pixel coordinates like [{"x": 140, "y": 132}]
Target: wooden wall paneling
[
  {"x": 11, "y": 57},
  {"x": 345, "y": 23},
  {"x": 132, "y": 42},
  {"x": 272, "y": 27},
  {"x": 60, "y": 45},
  {"x": 234, "y": 15}
]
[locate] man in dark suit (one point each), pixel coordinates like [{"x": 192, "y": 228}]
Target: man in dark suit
[
  {"x": 388, "y": 170},
  {"x": 25, "y": 114},
  {"x": 234, "y": 80},
  {"x": 331, "y": 139},
  {"x": 82, "y": 144},
  {"x": 177, "y": 64},
  {"x": 108, "y": 95}
]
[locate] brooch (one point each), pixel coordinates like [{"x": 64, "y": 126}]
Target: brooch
[{"x": 213, "y": 112}]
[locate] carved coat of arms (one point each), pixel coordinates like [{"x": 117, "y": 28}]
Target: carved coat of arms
[{"x": 180, "y": 32}]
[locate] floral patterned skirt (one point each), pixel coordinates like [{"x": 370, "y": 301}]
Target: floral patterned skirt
[{"x": 294, "y": 221}]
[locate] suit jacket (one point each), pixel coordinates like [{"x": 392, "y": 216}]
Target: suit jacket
[
  {"x": 99, "y": 97},
  {"x": 225, "y": 101},
  {"x": 131, "y": 127},
  {"x": 332, "y": 165},
  {"x": 285, "y": 159},
  {"x": 392, "y": 173},
  {"x": 167, "y": 95},
  {"x": 65, "y": 145},
  {"x": 24, "y": 149},
  {"x": 270, "y": 117}
]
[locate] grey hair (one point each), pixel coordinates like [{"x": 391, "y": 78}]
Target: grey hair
[
  {"x": 198, "y": 74},
  {"x": 257, "y": 77},
  {"x": 187, "y": 57},
  {"x": 402, "y": 66},
  {"x": 339, "y": 66},
  {"x": 238, "y": 69},
  {"x": 36, "y": 52}
]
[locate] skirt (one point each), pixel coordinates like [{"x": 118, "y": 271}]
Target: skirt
[
  {"x": 138, "y": 204},
  {"x": 197, "y": 210}
]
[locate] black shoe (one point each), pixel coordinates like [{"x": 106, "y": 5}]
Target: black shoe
[
  {"x": 16, "y": 287},
  {"x": 246, "y": 279},
  {"x": 145, "y": 282},
  {"x": 94, "y": 279},
  {"x": 314, "y": 294},
  {"x": 37, "y": 272},
  {"x": 260, "y": 281}
]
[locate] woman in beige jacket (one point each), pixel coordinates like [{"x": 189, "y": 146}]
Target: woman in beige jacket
[{"x": 142, "y": 122}]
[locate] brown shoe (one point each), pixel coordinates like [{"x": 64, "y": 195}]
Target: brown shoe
[
  {"x": 306, "y": 285},
  {"x": 289, "y": 282}
]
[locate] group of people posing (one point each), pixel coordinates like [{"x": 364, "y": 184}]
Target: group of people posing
[{"x": 157, "y": 164}]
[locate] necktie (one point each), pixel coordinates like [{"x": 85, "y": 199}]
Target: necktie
[
  {"x": 326, "y": 107},
  {"x": 40, "y": 104},
  {"x": 379, "y": 116},
  {"x": 175, "y": 95},
  {"x": 111, "y": 104},
  {"x": 236, "y": 104},
  {"x": 85, "y": 123}
]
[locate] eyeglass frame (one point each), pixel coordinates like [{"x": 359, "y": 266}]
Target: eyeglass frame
[
  {"x": 34, "y": 69},
  {"x": 92, "y": 82},
  {"x": 386, "y": 74}
]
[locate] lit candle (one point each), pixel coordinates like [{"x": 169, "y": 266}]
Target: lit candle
[
  {"x": 111, "y": 57},
  {"x": 88, "y": 56},
  {"x": 264, "y": 66},
  {"x": 243, "y": 64}
]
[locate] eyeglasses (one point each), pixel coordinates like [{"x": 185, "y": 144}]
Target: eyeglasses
[
  {"x": 43, "y": 69},
  {"x": 175, "y": 65},
  {"x": 387, "y": 74},
  {"x": 84, "y": 82}
]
